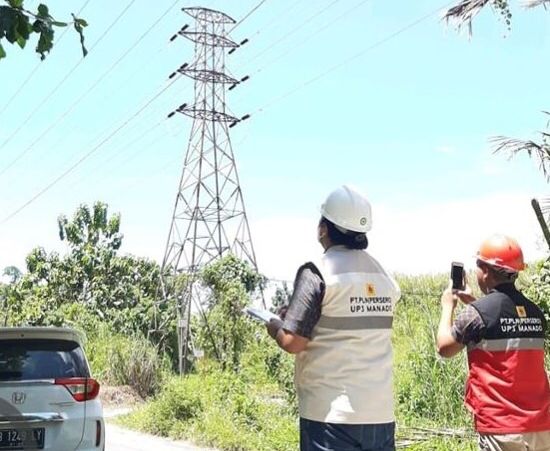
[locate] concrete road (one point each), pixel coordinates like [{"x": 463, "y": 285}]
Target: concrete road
[{"x": 121, "y": 439}]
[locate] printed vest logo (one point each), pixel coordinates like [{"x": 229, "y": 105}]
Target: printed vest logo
[
  {"x": 521, "y": 311},
  {"x": 371, "y": 291}
]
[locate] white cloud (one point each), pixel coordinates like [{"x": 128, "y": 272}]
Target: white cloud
[
  {"x": 21, "y": 237},
  {"x": 282, "y": 244},
  {"x": 412, "y": 240},
  {"x": 447, "y": 150}
]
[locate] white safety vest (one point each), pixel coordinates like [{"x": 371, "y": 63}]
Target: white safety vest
[{"x": 345, "y": 373}]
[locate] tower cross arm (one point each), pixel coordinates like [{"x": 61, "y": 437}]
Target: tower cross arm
[
  {"x": 207, "y": 75},
  {"x": 207, "y": 115},
  {"x": 214, "y": 40},
  {"x": 208, "y": 15}
]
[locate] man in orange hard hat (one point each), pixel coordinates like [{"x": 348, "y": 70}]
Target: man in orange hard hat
[{"x": 507, "y": 389}]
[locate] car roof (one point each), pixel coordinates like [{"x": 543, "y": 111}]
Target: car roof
[{"x": 49, "y": 333}]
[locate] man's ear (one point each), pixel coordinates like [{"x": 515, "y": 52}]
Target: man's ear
[
  {"x": 323, "y": 231},
  {"x": 486, "y": 272}
]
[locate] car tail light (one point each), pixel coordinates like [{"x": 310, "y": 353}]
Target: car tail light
[
  {"x": 97, "y": 433},
  {"x": 81, "y": 388}
]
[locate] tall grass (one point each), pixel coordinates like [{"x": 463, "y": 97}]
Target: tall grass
[
  {"x": 255, "y": 408},
  {"x": 117, "y": 359},
  {"x": 219, "y": 408},
  {"x": 429, "y": 389}
]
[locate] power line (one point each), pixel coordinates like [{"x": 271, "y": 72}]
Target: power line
[
  {"x": 151, "y": 173},
  {"x": 252, "y": 11},
  {"x": 315, "y": 33},
  {"x": 26, "y": 81},
  {"x": 56, "y": 88},
  {"x": 255, "y": 8},
  {"x": 99, "y": 136},
  {"x": 88, "y": 91},
  {"x": 140, "y": 69},
  {"x": 275, "y": 19},
  {"x": 85, "y": 156},
  {"x": 166, "y": 165},
  {"x": 115, "y": 154},
  {"x": 294, "y": 30},
  {"x": 352, "y": 58},
  {"x": 306, "y": 40},
  {"x": 173, "y": 161}
]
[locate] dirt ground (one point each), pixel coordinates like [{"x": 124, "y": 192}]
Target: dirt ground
[{"x": 121, "y": 396}]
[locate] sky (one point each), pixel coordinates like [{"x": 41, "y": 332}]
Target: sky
[{"x": 362, "y": 92}]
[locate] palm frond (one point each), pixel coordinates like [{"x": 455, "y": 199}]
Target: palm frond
[
  {"x": 535, "y": 3},
  {"x": 513, "y": 146},
  {"x": 463, "y": 13}
]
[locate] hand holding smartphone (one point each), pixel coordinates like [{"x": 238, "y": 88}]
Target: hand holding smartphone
[{"x": 457, "y": 275}]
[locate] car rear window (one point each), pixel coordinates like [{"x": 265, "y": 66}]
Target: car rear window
[{"x": 41, "y": 359}]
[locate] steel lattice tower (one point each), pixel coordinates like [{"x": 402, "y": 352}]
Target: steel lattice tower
[{"x": 209, "y": 217}]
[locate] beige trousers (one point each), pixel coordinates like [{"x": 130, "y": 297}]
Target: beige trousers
[{"x": 530, "y": 441}]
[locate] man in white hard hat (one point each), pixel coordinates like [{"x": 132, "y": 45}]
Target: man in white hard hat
[{"x": 338, "y": 324}]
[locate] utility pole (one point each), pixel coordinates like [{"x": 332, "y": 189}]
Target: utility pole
[{"x": 209, "y": 218}]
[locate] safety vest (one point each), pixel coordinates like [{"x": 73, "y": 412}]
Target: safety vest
[
  {"x": 345, "y": 373},
  {"x": 507, "y": 389}
]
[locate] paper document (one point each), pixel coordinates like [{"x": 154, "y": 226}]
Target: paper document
[{"x": 261, "y": 315}]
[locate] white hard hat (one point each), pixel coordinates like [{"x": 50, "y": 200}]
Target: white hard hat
[{"x": 348, "y": 209}]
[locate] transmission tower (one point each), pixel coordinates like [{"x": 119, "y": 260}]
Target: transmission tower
[{"x": 209, "y": 217}]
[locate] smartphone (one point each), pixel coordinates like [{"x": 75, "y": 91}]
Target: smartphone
[{"x": 457, "y": 275}]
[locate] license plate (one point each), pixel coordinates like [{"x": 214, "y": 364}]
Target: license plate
[{"x": 22, "y": 438}]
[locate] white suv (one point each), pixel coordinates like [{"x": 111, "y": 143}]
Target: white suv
[{"x": 48, "y": 401}]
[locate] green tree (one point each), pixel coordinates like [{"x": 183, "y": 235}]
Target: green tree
[
  {"x": 119, "y": 290},
  {"x": 13, "y": 273},
  {"x": 281, "y": 297},
  {"x": 221, "y": 329},
  {"x": 18, "y": 24}
]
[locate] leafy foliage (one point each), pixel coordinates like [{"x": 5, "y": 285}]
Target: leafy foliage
[
  {"x": 464, "y": 12},
  {"x": 229, "y": 270},
  {"x": 17, "y": 24},
  {"x": 111, "y": 298},
  {"x": 537, "y": 287},
  {"x": 13, "y": 273},
  {"x": 120, "y": 290},
  {"x": 222, "y": 331},
  {"x": 281, "y": 297}
]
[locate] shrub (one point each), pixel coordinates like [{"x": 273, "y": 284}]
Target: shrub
[
  {"x": 219, "y": 408},
  {"x": 121, "y": 360}
]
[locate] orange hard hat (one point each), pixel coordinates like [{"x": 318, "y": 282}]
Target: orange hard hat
[{"x": 503, "y": 252}]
